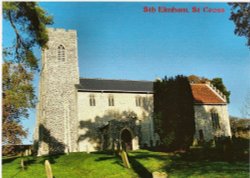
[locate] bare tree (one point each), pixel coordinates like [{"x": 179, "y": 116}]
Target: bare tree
[{"x": 245, "y": 109}]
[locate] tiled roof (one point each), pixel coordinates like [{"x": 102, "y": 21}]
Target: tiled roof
[{"x": 203, "y": 94}]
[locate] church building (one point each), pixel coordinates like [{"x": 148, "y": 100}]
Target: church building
[{"x": 82, "y": 114}]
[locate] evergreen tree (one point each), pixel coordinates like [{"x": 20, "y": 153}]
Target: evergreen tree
[
  {"x": 174, "y": 112},
  {"x": 28, "y": 21},
  {"x": 18, "y": 96}
]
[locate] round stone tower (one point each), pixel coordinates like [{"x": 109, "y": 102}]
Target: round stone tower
[{"x": 56, "y": 129}]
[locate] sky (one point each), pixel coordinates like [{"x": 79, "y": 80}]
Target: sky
[{"x": 121, "y": 41}]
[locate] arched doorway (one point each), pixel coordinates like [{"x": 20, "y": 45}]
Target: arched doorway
[{"x": 126, "y": 139}]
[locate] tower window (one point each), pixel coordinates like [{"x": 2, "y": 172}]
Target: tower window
[
  {"x": 111, "y": 101},
  {"x": 61, "y": 53},
  {"x": 92, "y": 100}
]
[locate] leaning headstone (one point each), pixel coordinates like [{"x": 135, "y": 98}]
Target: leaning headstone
[
  {"x": 160, "y": 175},
  {"x": 125, "y": 159},
  {"x": 48, "y": 169}
]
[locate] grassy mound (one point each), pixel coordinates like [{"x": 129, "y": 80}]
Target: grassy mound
[{"x": 143, "y": 163}]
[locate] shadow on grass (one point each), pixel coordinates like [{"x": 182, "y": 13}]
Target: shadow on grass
[
  {"x": 187, "y": 169},
  {"x": 17, "y": 161},
  {"x": 135, "y": 165},
  {"x": 51, "y": 158},
  {"x": 28, "y": 162},
  {"x": 139, "y": 168},
  {"x": 196, "y": 162},
  {"x": 108, "y": 155},
  {"x": 156, "y": 155},
  {"x": 104, "y": 158},
  {"x": 103, "y": 152},
  {"x": 8, "y": 160}
]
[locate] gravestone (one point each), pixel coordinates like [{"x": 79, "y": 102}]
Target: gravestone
[
  {"x": 160, "y": 175},
  {"x": 48, "y": 169},
  {"x": 125, "y": 159}
]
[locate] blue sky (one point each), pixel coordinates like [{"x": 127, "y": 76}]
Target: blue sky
[{"x": 120, "y": 41}]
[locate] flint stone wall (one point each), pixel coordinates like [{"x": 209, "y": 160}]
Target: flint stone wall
[
  {"x": 203, "y": 121},
  {"x": 57, "y": 108}
]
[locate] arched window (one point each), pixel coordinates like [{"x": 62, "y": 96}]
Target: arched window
[
  {"x": 215, "y": 119},
  {"x": 61, "y": 53}
]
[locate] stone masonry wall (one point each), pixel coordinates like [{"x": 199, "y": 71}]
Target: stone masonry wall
[
  {"x": 57, "y": 108},
  {"x": 93, "y": 116},
  {"x": 203, "y": 121}
]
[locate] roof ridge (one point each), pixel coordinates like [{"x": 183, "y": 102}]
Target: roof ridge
[
  {"x": 117, "y": 79},
  {"x": 197, "y": 83}
]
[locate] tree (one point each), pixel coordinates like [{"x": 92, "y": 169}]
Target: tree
[
  {"x": 245, "y": 109},
  {"x": 240, "y": 15},
  {"x": 240, "y": 127},
  {"x": 174, "y": 112},
  {"x": 237, "y": 123},
  {"x": 28, "y": 21},
  {"x": 18, "y": 96},
  {"x": 218, "y": 83}
]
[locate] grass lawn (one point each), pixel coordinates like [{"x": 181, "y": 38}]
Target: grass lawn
[{"x": 143, "y": 163}]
